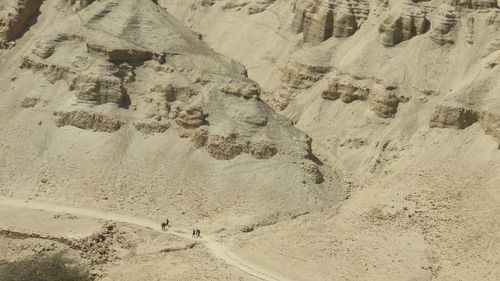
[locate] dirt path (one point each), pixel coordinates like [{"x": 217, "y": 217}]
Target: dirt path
[{"x": 217, "y": 250}]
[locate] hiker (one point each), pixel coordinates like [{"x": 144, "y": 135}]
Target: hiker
[
  {"x": 194, "y": 233},
  {"x": 163, "y": 226},
  {"x": 198, "y": 232}
]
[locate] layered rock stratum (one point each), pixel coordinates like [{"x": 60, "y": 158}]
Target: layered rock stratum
[{"x": 316, "y": 139}]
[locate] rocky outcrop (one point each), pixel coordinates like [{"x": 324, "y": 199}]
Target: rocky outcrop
[
  {"x": 156, "y": 81},
  {"x": 224, "y": 147},
  {"x": 253, "y": 6},
  {"x": 98, "y": 85},
  {"x": 297, "y": 75},
  {"x": 474, "y": 4},
  {"x": 51, "y": 72},
  {"x": 191, "y": 118},
  {"x": 320, "y": 20},
  {"x": 150, "y": 128},
  {"x": 279, "y": 99},
  {"x": 241, "y": 89},
  {"x": 98, "y": 247},
  {"x": 459, "y": 117},
  {"x": 383, "y": 99},
  {"x": 232, "y": 145},
  {"x": 44, "y": 49},
  {"x": 385, "y": 102},
  {"x": 119, "y": 54},
  {"x": 199, "y": 138},
  {"x": 14, "y": 18},
  {"x": 318, "y": 26},
  {"x": 314, "y": 172},
  {"x": 93, "y": 121},
  {"x": 344, "y": 24},
  {"x": 404, "y": 25},
  {"x": 446, "y": 116},
  {"x": 156, "y": 106},
  {"x": 444, "y": 30},
  {"x": 261, "y": 150},
  {"x": 235, "y": 4},
  {"x": 346, "y": 90},
  {"x": 173, "y": 92}
]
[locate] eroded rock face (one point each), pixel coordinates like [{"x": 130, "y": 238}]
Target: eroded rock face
[
  {"x": 14, "y": 18},
  {"x": 347, "y": 91},
  {"x": 383, "y": 99},
  {"x": 150, "y": 128},
  {"x": 344, "y": 24},
  {"x": 51, "y": 72},
  {"x": 184, "y": 80},
  {"x": 445, "y": 116},
  {"x": 98, "y": 247},
  {"x": 318, "y": 27},
  {"x": 403, "y": 25},
  {"x": 459, "y": 117},
  {"x": 232, "y": 145},
  {"x": 474, "y": 4},
  {"x": 444, "y": 30},
  {"x": 385, "y": 103},
  {"x": 262, "y": 150},
  {"x": 314, "y": 172},
  {"x": 99, "y": 86},
  {"x": 241, "y": 89},
  {"x": 252, "y": 6},
  {"x": 320, "y": 20},
  {"x": 44, "y": 49},
  {"x": 173, "y": 92},
  {"x": 224, "y": 147},
  {"x": 302, "y": 76},
  {"x": 279, "y": 99},
  {"x": 93, "y": 121},
  {"x": 119, "y": 54},
  {"x": 191, "y": 118}
]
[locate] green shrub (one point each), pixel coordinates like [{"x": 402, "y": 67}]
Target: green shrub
[{"x": 44, "y": 267}]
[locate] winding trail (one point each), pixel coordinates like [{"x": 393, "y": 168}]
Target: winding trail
[{"x": 217, "y": 250}]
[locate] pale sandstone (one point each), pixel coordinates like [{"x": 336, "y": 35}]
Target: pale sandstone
[{"x": 93, "y": 121}]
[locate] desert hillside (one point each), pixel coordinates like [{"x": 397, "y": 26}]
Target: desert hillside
[{"x": 308, "y": 139}]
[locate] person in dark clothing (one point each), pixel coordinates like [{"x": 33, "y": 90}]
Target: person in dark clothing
[
  {"x": 194, "y": 233},
  {"x": 163, "y": 226},
  {"x": 198, "y": 233}
]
